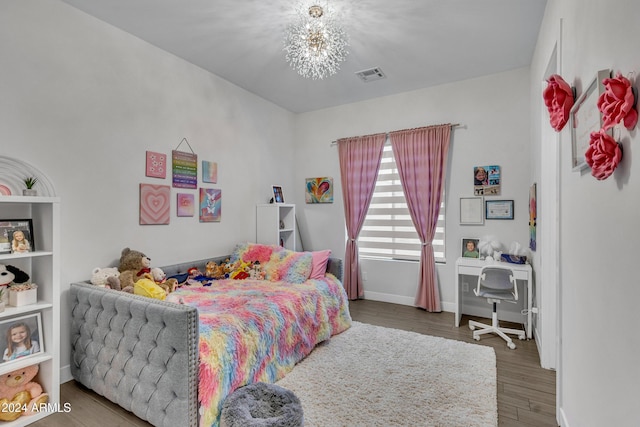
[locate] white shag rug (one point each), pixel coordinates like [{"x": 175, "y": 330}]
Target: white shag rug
[{"x": 375, "y": 376}]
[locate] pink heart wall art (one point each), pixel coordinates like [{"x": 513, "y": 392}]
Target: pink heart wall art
[{"x": 154, "y": 204}]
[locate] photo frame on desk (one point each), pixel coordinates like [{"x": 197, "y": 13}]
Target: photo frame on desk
[{"x": 470, "y": 248}]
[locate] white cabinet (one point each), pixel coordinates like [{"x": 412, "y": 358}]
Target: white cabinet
[
  {"x": 43, "y": 265},
  {"x": 276, "y": 225}
]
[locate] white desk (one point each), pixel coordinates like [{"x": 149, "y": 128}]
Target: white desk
[{"x": 472, "y": 267}]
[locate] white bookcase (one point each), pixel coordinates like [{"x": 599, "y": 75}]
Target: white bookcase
[
  {"x": 43, "y": 265},
  {"x": 276, "y": 225}
]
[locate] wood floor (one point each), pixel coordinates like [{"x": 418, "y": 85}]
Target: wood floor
[{"x": 526, "y": 392}]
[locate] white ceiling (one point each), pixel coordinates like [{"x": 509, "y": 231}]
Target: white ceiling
[{"x": 416, "y": 43}]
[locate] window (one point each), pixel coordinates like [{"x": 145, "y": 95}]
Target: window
[{"x": 388, "y": 231}]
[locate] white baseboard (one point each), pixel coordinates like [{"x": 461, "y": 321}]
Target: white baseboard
[
  {"x": 65, "y": 374},
  {"x": 403, "y": 300},
  {"x": 563, "y": 418}
]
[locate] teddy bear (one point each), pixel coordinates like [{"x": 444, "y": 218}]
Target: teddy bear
[
  {"x": 108, "y": 277},
  {"x": 215, "y": 270},
  {"x": 19, "y": 394},
  {"x": 133, "y": 265},
  {"x": 160, "y": 277}
]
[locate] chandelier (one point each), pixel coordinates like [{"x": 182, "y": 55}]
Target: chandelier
[{"x": 315, "y": 44}]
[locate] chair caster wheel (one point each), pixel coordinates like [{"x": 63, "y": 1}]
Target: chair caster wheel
[
  {"x": 511, "y": 345},
  {"x": 476, "y": 338},
  {"x": 522, "y": 337},
  {"x": 473, "y": 328}
]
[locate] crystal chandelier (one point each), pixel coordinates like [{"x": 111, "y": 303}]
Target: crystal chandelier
[{"x": 315, "y": 44}]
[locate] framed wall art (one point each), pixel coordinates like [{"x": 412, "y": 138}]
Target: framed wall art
[
  {"x": 471, "y": 211},
  {"x": 185, "y": 204},
  {"x": 498, "y": 209},
  {"x": 586, "y": 118},
  {"x": 154, "y": 204},
  {"x": 319, "y": 190},
  {"x": 156, "y": 166},
  {"x": 210, "y": 205},
  {"x": 486, "y": 180}
]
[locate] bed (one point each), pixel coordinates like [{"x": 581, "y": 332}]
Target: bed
[{"x": 173, "y": 362}]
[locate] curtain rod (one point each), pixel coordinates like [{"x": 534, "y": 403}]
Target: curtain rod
[{"x": 453, "y": 125}]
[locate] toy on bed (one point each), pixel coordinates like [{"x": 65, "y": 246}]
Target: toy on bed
[
  {"x": 160, "y": 278},
  {"x": 107, "y": 277},
  {"x": 19, "y": 395},
  {"x": 133, "y": 264}
]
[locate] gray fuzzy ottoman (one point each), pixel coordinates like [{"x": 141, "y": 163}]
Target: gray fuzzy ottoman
[{"x": 261, "y": 405}]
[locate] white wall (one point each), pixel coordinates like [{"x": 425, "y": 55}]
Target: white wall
[
  {"x": 494, "y": 112},
  {"x": 598, "y": 372},
  {"x": 83, "y": 101}
]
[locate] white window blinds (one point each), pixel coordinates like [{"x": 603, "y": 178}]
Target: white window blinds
[{"x": 388, "y": 231}]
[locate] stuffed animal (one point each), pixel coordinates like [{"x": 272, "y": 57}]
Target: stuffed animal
[
  {"x": 241, "y": 270},
  {"x": 159, "y": 276},
  {"x": 147, "y": 287},
  {"x": 215, "y": 270},
  {"x": 10, "y": 275},
  {"x": 108, "y": 277},
  {"x": 196, "y": 278},
  {"x": 19, "y": 395},
  {"x": 133, "y": 265},
  {"x": 257, "y": 271}
]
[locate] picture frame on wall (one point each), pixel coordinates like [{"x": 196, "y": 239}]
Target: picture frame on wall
[
  {"x": 499, "y": 209},
  {"x": 27, "y": 337},
  {"x": 471, "y": 211},
  {"x": 470, "y": 248},
  {"x": 16, "y": 236},
  {"x": 585, "y": 118},
  {"x": 278, "y": 195}
]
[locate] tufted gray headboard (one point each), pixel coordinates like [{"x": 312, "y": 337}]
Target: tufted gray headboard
[
  {"x": 137, "y": 352},
  {"x": 141, "y": 353}
]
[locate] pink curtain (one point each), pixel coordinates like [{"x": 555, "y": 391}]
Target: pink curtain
[
  {"x": 421, "y": 155},
  {"x": 359, "y": 165}
]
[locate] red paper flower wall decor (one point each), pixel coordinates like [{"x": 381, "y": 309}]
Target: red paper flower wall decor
[
  {"x": 603, "y": 154},
  {"x": 558, "y": 97},
  {"x": 617, "y": 103}
]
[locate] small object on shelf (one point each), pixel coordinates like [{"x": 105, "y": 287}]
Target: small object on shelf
[
  {"x": 20, "y": 295},
  {"x": 20, "y": 393},
  {"x": 29, "y": 182}
]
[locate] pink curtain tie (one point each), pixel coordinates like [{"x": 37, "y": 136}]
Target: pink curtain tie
[{"x": 426, "y": 244}]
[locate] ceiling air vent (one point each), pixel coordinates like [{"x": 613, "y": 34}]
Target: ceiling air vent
[{"x": 371, "y": 74}]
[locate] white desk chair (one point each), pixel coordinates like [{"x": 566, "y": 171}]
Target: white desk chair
[{"x": 496, "y": 283}]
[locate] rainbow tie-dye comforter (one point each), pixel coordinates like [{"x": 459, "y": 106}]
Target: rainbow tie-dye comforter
[{"x": 256, "y": 331}]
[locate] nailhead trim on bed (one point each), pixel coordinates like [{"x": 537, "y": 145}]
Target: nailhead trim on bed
[{"x": 137, "y": 352}]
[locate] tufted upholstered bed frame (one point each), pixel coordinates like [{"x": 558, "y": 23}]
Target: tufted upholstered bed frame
[{"x": 141, "y": 353}]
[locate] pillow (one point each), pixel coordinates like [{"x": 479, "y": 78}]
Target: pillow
[
  {"x": 288, "y": 266},
  {"x": 252, "y": 252},
  {"x": 319, "y": 260}
]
